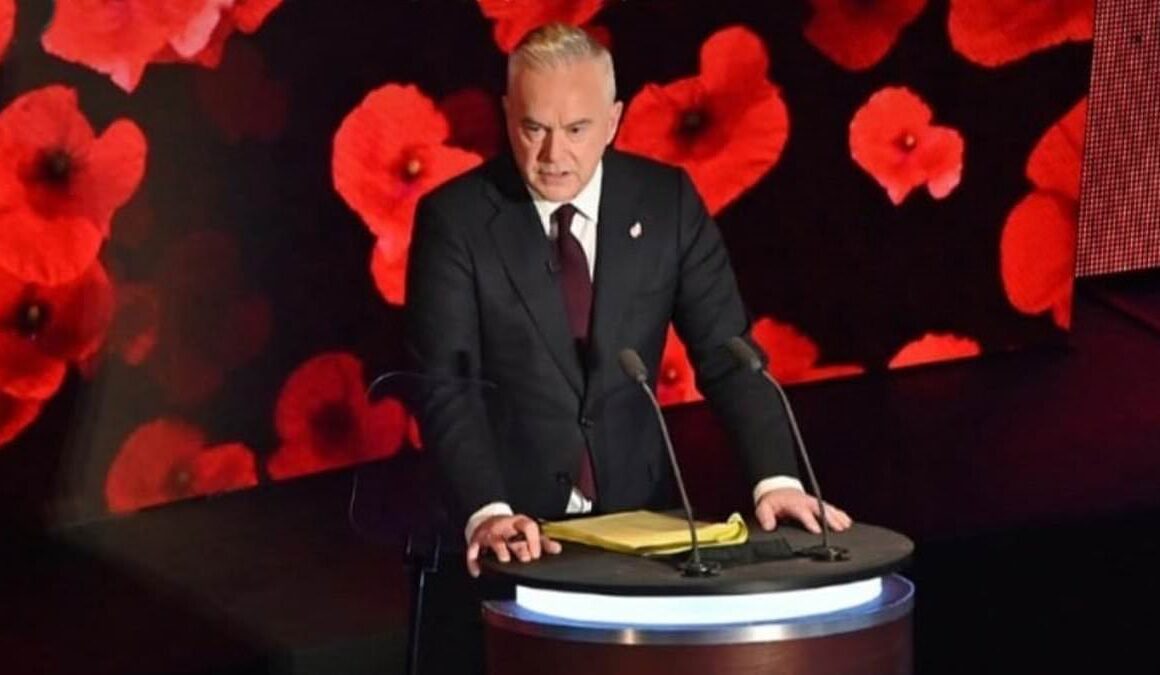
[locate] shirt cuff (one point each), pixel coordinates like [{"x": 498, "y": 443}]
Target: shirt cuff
[
  {"x": 485, "y": 512},
  {"x": 775, "y": 483}
]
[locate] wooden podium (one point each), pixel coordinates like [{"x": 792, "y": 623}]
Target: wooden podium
[{"x": 598, "y": 613}]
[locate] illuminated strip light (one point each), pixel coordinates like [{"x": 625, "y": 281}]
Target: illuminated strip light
[{"x": 697, "y": 610}]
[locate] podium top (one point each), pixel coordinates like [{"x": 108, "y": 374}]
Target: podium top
[{"x": 874, "y": 552}]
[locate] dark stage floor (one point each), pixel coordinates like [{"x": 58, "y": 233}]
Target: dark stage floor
[{"x": 1030, "y": 482}]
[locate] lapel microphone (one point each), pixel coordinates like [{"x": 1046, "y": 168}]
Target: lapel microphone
[
  {"x": 748, "y": 358},
  {"x": 633, "y": 366}
]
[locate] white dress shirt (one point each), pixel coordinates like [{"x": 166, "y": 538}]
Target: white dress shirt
[{"x": 587, "y": 203}]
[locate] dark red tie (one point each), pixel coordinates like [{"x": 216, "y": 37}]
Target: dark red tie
[
  {"x": 574, "y": 279},
  {"x": 576, "y": 286}
]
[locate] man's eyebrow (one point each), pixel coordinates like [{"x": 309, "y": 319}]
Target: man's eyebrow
[{"x": 528, "y": 121}]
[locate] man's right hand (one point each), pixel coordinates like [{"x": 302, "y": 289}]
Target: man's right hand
[{"x": 505, "y": 536}]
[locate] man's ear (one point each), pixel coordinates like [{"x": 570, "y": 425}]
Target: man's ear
[{"x": 614, "y": 120}]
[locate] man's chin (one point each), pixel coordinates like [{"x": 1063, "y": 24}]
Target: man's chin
[{"x": 557, "y": 192}]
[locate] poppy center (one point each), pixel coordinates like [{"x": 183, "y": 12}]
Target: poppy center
[
  {"x": 180, "y": 481},
  {"x": 907, "y": 142},
  {"x": 31, "y": 318},
  {"x": 333, "y": 424},
  {"x": 671, "y": 375},
  {"x": 412, "y": 169},
  {"x": 693, "y": 122},
  {"x": 55, "y": 167}
]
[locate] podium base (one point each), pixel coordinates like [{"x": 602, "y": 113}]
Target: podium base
[{"x": 873, "y": 639}]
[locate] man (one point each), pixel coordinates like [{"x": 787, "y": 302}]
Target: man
[{"x": 531, "y": 273}]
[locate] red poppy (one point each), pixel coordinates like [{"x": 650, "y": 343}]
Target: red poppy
[
  {"x": 389, "y": 271},
  {"x": 389, "y": 152},
  {"x": 1037, "y": 255},
  {"x": 44, "y": 328},
  {"x": 892, "y": 139},
  {"x": 7, "y": 23},
  {"x": 793, "y": 357},
  {"x": 325, "y": 420},
  {"x": 727, "y": 126},
  {"x": 997, "y": 32},
  {"x": 15, "y": 415},
  {"x": 120, "y": 37},
  {"x": 239, "y": 97},
  {"x": 1054, "y": 164},
  {"x": 166, "y": 460},
  {"x": 60, "y": 184},
  {"x": 856, "y": 34},
  {"x": 675, "y": 379},
  {"x": 934, "y": 347},
  {"x": 210, "y": 321},
  {"x": 516, "y": 18},
  {"x": 245, "y": 15},
  {"x": 475, "y": 121}
]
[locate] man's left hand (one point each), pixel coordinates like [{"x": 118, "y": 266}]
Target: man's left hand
[{"x": 794, "y": 503}]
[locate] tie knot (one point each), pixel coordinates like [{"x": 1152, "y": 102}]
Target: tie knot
[{"x": 563, "y": 215}]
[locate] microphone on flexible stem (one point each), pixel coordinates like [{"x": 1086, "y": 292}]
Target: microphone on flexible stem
[
  {"x": 632, "y": 366},
  {"x": 823, "y": 552}
]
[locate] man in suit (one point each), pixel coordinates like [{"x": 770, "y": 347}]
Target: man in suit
[{"x": 531, "y": 273}]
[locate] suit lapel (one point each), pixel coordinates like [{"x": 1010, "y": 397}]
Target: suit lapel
[
  {"x": 526, "y": 251},
  {"x": 618, "y": 263}
]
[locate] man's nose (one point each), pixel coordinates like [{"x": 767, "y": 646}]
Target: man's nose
[{"x": 550, "y": 149}]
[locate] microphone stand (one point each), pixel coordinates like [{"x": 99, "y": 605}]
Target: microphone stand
[
  {"x": 694, "y": 566},
  {"x": 824, "y": 552}
]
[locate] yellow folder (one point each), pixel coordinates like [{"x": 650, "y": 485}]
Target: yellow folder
[{"x": 646, "y": 532}]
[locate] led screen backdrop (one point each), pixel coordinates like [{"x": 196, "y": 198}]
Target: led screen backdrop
[{"x": 205, "y": 208}]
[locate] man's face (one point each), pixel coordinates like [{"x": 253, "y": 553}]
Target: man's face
[{"x": 559, "y": 121}]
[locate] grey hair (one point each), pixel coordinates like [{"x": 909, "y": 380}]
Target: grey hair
[{"x": 559, "y": 44}]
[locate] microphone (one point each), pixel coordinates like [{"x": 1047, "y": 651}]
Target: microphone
[
  {"x": 632, "y": 366},
  {"x": 824, "y": 552}
]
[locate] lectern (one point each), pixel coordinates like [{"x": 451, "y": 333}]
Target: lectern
[{"x": 593, "y": 612}]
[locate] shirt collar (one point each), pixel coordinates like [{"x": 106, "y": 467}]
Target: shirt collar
[{"x": 587, "y": 201}]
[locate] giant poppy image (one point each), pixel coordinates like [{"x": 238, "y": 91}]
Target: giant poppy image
[
  {"x": 726, "y": 126},
  {"x": 893, "y": 140},
  {"x": 513, "y": 19},
  {"x": 997, "y": 32},
  {"x": 168, "y": 459},
  {"x": 857, "y": 34},
  {"x": 793, "y": 356},
  {"x": 325, "y": 421},
  {"x": 44, "y": 329},
  {"x": 60, "y": 184},
  {"x": 1038, "y": 242},
  {"x": 388, "y": 152},
  {"x": 932, "y": 347},
  {"x": 119, "y": 38}
]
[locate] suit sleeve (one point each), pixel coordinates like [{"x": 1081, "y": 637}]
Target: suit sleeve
[
  {"x": 708, "y": 312},
  {"x": 442, "y": 324}
]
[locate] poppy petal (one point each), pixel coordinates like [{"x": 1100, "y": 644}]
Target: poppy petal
[
  {"x": 856, "y": 34},
  {"x": 933, "y": 347},
  {"x": 996, "y": 32},
  {"x": 515, "y": 18},
  {"x": 1037, "y": 255},
  {"x": 1054, "y": 164},
  {"x": 15, "y": 416}
]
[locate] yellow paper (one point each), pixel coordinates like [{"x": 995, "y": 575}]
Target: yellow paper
[{"x": 646, "y": 532}]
